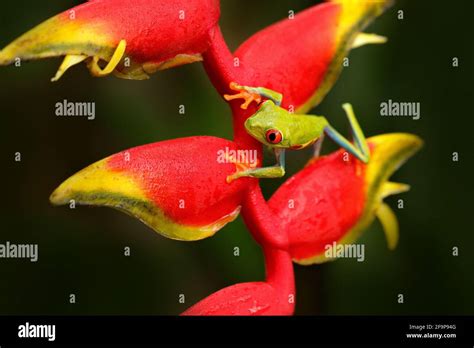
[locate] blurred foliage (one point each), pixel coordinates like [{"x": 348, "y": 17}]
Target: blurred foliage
[{"x": 81, "y": 251}]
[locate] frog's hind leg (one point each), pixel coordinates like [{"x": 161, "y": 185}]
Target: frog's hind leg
[
  {"x": 97, "y": 71},
  {"x": 361, "y": 149},
  {"x": 357, "y": 133}
]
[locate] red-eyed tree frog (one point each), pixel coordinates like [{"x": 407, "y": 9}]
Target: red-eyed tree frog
[{"x": 279, "y": 129}]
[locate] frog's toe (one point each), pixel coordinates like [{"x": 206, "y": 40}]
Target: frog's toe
[{"x": 244, "y": 93}]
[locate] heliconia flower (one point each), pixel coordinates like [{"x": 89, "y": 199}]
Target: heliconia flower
[
  {"x": 301, "y": 57},
  {"x": 336, "y": 197},
  {"x": 177, "y": 187},
  {"x": 134, "y": 37}
]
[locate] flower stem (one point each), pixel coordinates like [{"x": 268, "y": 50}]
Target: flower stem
[
  {"x": 259, "y": 218},
  {"x": 262, "y": 221},
  {"x": 263, "y": 224},
  {"x": 218, "y": 61},
  {"x": 279, "y": 274}
]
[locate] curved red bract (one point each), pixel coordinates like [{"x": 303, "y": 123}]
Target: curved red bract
[
  {"x": 292, "y": 56},
  {"x": 320, "y": 204},
  {"x": 335, "y": 198},
  {"x": 185, "y": 177},
  {"x": 136, "y": 37},
  {"x": 155, "y": 30}
]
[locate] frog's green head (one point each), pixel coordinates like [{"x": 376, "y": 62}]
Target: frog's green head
[
  {"x": 276, "y": 127},
  {"x": 270, "y": 125}
]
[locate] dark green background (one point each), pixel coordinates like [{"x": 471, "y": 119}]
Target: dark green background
[{"x": 81, "y": 251}]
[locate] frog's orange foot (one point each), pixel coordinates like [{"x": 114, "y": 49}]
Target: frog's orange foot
[
  {"x": 231, "y": 178},
  {"x": 241, "y": 170},
  {"x": 244, "y": 93}
]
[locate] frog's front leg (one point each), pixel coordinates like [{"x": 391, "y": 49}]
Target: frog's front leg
[
  {"x": 276, "y": 171},
  {"x": 250, "y": 94}
]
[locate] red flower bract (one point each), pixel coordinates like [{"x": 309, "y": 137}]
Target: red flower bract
[
  {"x": 292, "y": 56},
  {"x": 156, "y": 35},
  {"x": 301, "y": 57},
  {"x": 336, "y": 197},
  {"x": 155, "y": 30},
  {"x": 177, "y": 187}
]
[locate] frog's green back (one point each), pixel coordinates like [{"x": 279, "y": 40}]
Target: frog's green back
[
  {"x": 297, "y": 131},
  {"x": 305, "y": 129}
]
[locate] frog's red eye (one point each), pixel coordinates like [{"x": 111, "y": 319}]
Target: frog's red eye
[{"x": 273, "y": 136}]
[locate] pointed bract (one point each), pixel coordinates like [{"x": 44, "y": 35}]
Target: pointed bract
[
  {"x": 302, "y": 57},
  {"x": 336, "y": 197},
  {"x": 177, "y": 187},
  {"x": 157, "y": 34}
]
